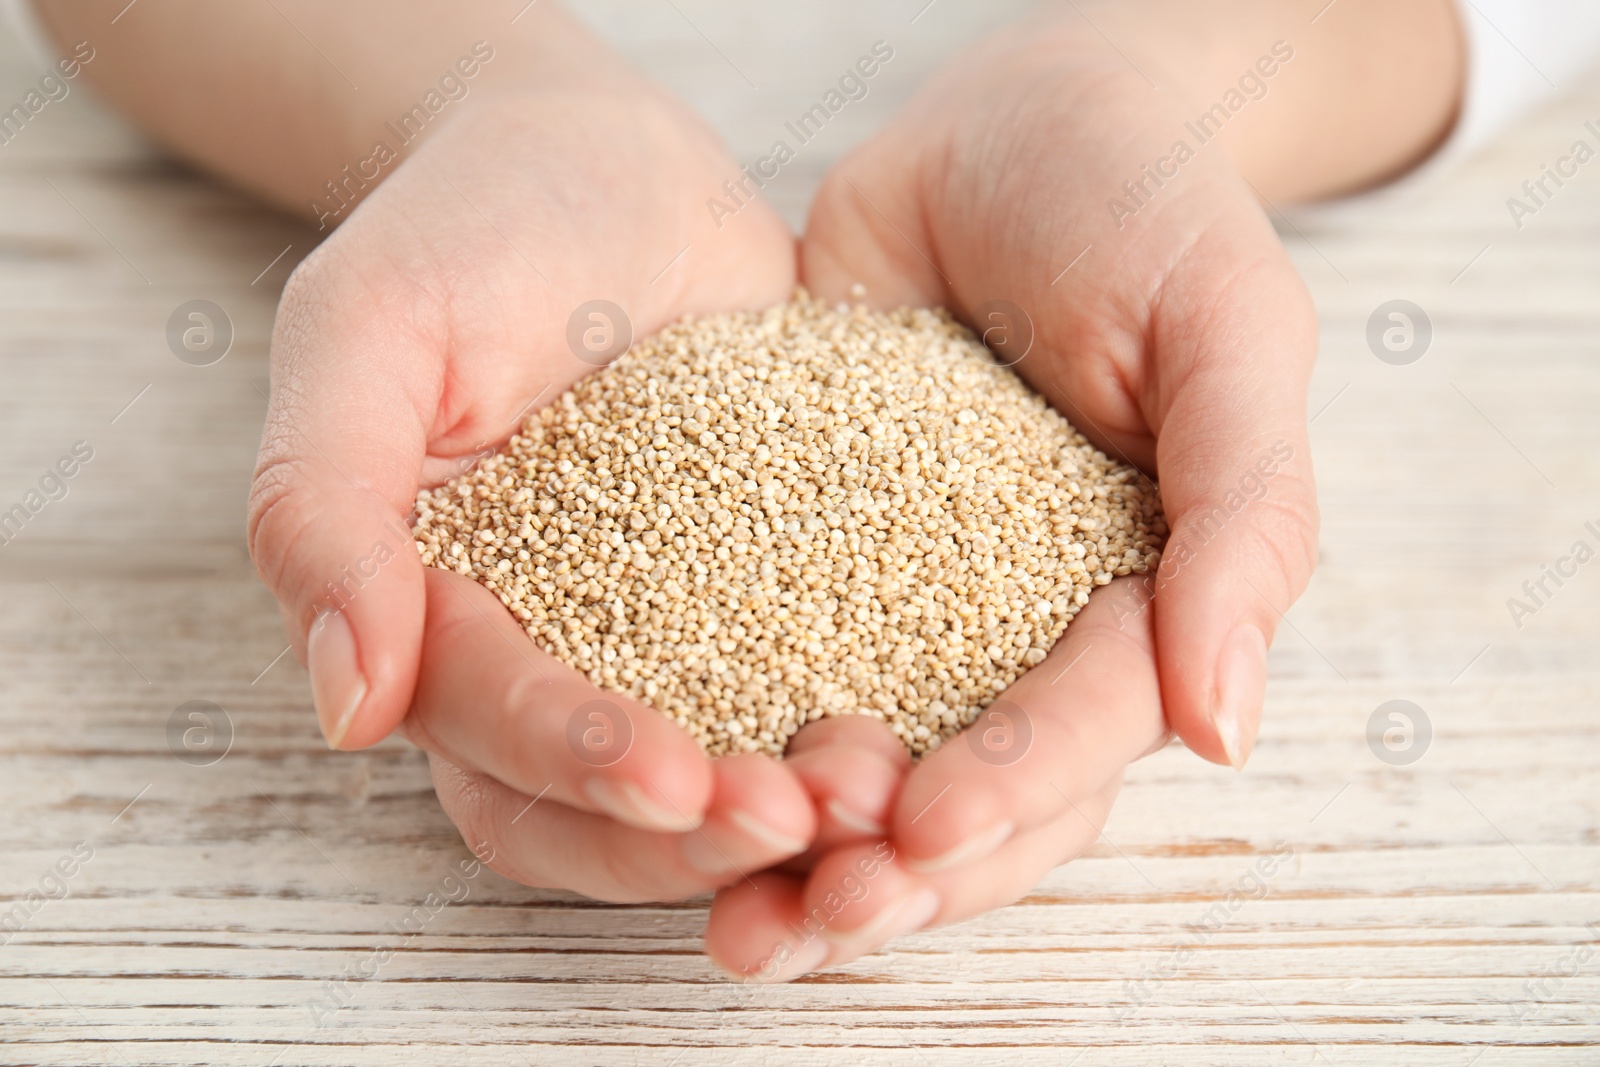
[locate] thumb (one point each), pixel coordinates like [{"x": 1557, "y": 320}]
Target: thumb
[
  {"x": 333, "y": 486},
  {"x": 1236, "y": 483}
]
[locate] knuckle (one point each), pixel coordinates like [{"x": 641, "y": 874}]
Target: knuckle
[
  {"x": 834, "y": 212},
  {"x": 1108, "y": 633},
  {"x": 449, "y": 621},
  {"x": 276, "y": 514},
  {"x": 417, "y": 729},
  {"x": 475, "y": 803},
  {"x": 1225, "y": 288},
  {"x": 1286, "y": 531},
  {"x": 301, "y": 306},
  {"x": 623, "y": 877}
]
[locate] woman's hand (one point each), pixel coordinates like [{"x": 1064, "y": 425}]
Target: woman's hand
[
  {"x": 1173, "y": 331},
  {"x": 896, "y": 852},
  {"x": 417, "y": 336}
]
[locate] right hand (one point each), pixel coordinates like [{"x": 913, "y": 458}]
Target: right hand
[
  {"x": 1183, "y": 344},
  {"x": 417, "y": 336}
]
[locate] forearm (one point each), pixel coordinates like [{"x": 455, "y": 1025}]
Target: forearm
[
  {"x": 1357, "y": 96},
  {"x": 282, "y": 96}
]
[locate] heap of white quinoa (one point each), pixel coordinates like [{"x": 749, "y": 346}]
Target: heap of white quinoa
[{"x": 751, "y": 521}]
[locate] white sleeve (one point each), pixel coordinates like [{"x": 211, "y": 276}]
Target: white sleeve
[{"x": 1519, "y": 54}]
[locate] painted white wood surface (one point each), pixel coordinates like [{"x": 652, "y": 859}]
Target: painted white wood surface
[{"x": 1441, "y": 913}]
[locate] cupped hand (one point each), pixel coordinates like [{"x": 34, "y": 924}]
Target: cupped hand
[
  {"x": 1167, "y": 323},
  {"x": 1051, "y": 763},
  {"x": 419, "y": 335}
]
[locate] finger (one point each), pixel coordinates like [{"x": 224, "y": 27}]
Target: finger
[
  {"x": 543, "y": 843},
  {"x": 759, "y": 815},
  {"x": 1022, "y": 863},
  {"x": 856, "y": 731},
  {"x": 852, "y": 766},
  {"x": 852, "y": 788},
  {"x": 769, "y": 929},
  {"x": 336, "y": 477},
  {"x": 748, "y": 933},
  {"x": 1237, "y": 487},
  {"x": 489, "y": 699},
  {"x": 777, "y": 927},
  {"x": 1058, "y": 735},
  {"x": 905, "y": 901},
  {"x": 864, "y": 230}
]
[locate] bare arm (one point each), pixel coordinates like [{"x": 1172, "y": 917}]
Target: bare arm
[
  {"x": 1359, "y": 90},
  {"x": 280, "y": 96},
  {"x": 1048, "y": 183}
]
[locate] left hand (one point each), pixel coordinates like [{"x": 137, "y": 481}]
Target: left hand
[
  {"x": 1180, "y": 340},
  {"x": 423, "y": 328}
]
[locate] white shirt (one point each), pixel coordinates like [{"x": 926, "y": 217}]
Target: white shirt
[{"x": 1520, "y": 53}]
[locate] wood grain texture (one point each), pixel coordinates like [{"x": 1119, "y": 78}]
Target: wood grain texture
[{"x": 1446, "y": 912}]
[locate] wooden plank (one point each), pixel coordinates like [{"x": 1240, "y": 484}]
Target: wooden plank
[{"x": 1441, "y": 913}]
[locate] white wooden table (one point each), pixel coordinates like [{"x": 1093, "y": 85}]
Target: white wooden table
[{"x": 1443, "y": 910}]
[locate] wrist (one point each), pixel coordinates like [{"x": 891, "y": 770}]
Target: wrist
[
  {"x": 489, "y": 86},
  {"x": 314, "y": 127},
  {"x": 1302, "y": 109},
  {"x": 629, "y": 115}
]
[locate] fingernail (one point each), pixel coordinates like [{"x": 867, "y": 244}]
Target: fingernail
[
  {"x": 711, "y": 858},
  {"x": 337, "y": 686},
  {"x": 1241, "y": 685},
  {"x": 803, "y": 959},
  {"x": 901, "y": 917},
  {"x": 852, "y": 821},
  {"x": 973, "y": 848},
  {"x": 776, "y": 840},
  {"x": 626, "y": 802}
]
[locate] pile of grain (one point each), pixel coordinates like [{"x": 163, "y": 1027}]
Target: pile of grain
[{"x": 751, "y": 521}]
